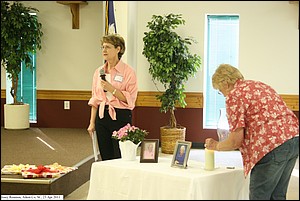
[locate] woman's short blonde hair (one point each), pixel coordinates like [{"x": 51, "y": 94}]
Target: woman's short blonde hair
[
  {"x": 225, "y": 73},
  {"x": 117, "y": 41}
]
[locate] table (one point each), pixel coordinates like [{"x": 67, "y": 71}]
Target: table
[{"x": 131, "y": 180}]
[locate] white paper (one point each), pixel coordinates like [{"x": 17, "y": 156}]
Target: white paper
[{"x": 95, "y": 147}]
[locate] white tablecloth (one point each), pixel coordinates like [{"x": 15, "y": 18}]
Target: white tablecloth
[{"x": 131, "y": 180}]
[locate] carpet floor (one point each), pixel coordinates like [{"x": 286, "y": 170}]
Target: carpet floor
[{"x": 43, "y": 146}]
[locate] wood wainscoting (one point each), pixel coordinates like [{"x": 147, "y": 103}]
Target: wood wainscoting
[
  {"x": 144, "y": 99},
  {"x": 146, "y": 115}
]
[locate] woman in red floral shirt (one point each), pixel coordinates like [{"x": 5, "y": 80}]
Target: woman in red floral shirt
[{"x": 263, "y": 128}]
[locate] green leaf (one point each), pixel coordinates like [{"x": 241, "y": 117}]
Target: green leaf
[
  {"x": 21, "y": 35},
  {"x": 171, "y": 62}
]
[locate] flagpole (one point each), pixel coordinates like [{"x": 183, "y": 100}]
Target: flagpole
[{"x": 106, "y": 17}]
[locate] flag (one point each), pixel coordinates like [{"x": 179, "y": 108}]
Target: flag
[{"x": 110, "y": 23}]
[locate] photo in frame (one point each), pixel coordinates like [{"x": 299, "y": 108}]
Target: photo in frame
[
  {"x": 149, "y": 151},
  {"x": 181, "y": 154}
]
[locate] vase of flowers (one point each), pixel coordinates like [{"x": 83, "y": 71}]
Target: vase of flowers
[
  {"x": 129, "y": 138},
  {"x": 128, "y": 150}
]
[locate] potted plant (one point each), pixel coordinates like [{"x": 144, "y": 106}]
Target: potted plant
[
  {"x": 129, "y": 137},
  {"x": 20, "y": 37},
  {"x": 172, "y": 64}
]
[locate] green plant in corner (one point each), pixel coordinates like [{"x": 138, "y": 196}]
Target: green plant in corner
[
  {"x": 20, "y": 37},
  {"x": 171, "y": 62}
]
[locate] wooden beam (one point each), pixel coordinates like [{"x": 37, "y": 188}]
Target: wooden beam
[
  {"x": 74, "y": 7},
  {"x": 75, "y": 15}
]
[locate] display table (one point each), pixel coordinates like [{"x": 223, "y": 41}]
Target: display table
[{"x": 131, "y": 180}]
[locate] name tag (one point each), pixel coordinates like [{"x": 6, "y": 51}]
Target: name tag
[{"x": 118, "y": 78}]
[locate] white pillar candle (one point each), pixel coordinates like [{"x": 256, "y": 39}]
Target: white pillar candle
[{"x": 209, "y": 159}]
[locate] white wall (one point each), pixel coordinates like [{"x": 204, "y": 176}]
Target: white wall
[
  {"x": 269, "y": 41},
  {"x": 68, "y": 56}
]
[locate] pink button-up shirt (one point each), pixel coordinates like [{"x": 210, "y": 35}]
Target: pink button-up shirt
[
  {"x": 268, "y": 122},
  {"x": 123, "y": 78}
]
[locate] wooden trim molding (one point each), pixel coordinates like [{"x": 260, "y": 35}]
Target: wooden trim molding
[
  {"x": 63, "y": 95},
  {"x": 144, "y": 99},
  {"x": 148, "y": 99},
  {"x": 292, "y": 101},
  {"x": 3, "y": 93}
]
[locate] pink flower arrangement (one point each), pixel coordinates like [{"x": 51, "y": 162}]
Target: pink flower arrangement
[{"x": 129, "y": 132}]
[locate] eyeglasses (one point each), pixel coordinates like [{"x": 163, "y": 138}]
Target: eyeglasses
[
  {"x": 220, "y": 93},
  {"x": 106, "y": 47}
]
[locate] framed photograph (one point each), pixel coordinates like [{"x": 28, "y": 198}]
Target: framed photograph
[
  {"x": 149, "y": 151},
  {"x": 181, "y": 154}
]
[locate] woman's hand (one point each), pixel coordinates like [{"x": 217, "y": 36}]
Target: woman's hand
[
  {"x": 91, "y": 129},
  {"x": 211, "y": 144},
  {"x": 106, "y": 86}
]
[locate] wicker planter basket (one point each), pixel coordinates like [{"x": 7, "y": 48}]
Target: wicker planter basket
[{"x": 169, "y": 137}]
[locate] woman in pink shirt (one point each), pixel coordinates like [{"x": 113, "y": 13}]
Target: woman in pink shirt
[
  {"x": 263, "y": 128},
  {"x": 114, "y": 92}
]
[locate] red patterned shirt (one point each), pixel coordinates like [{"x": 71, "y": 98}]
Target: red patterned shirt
[{"x": 265, "y": 117}]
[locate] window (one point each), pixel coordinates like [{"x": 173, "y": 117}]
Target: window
[
  {"x": 222, "y": 46},
  {"x": 26, "y": 88}
]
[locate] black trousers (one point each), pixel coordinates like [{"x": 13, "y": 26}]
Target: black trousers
[{"x": 109, "y": 147}]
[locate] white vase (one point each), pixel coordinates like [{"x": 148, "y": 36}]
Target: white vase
[
  {"x": 128, "y": 150},
  {"x": 223, "y": 126}
]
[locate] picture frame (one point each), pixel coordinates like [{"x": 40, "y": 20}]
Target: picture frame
[
  {"x": 181, "y": 154},
  {"x": 149, "y": 151}
]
